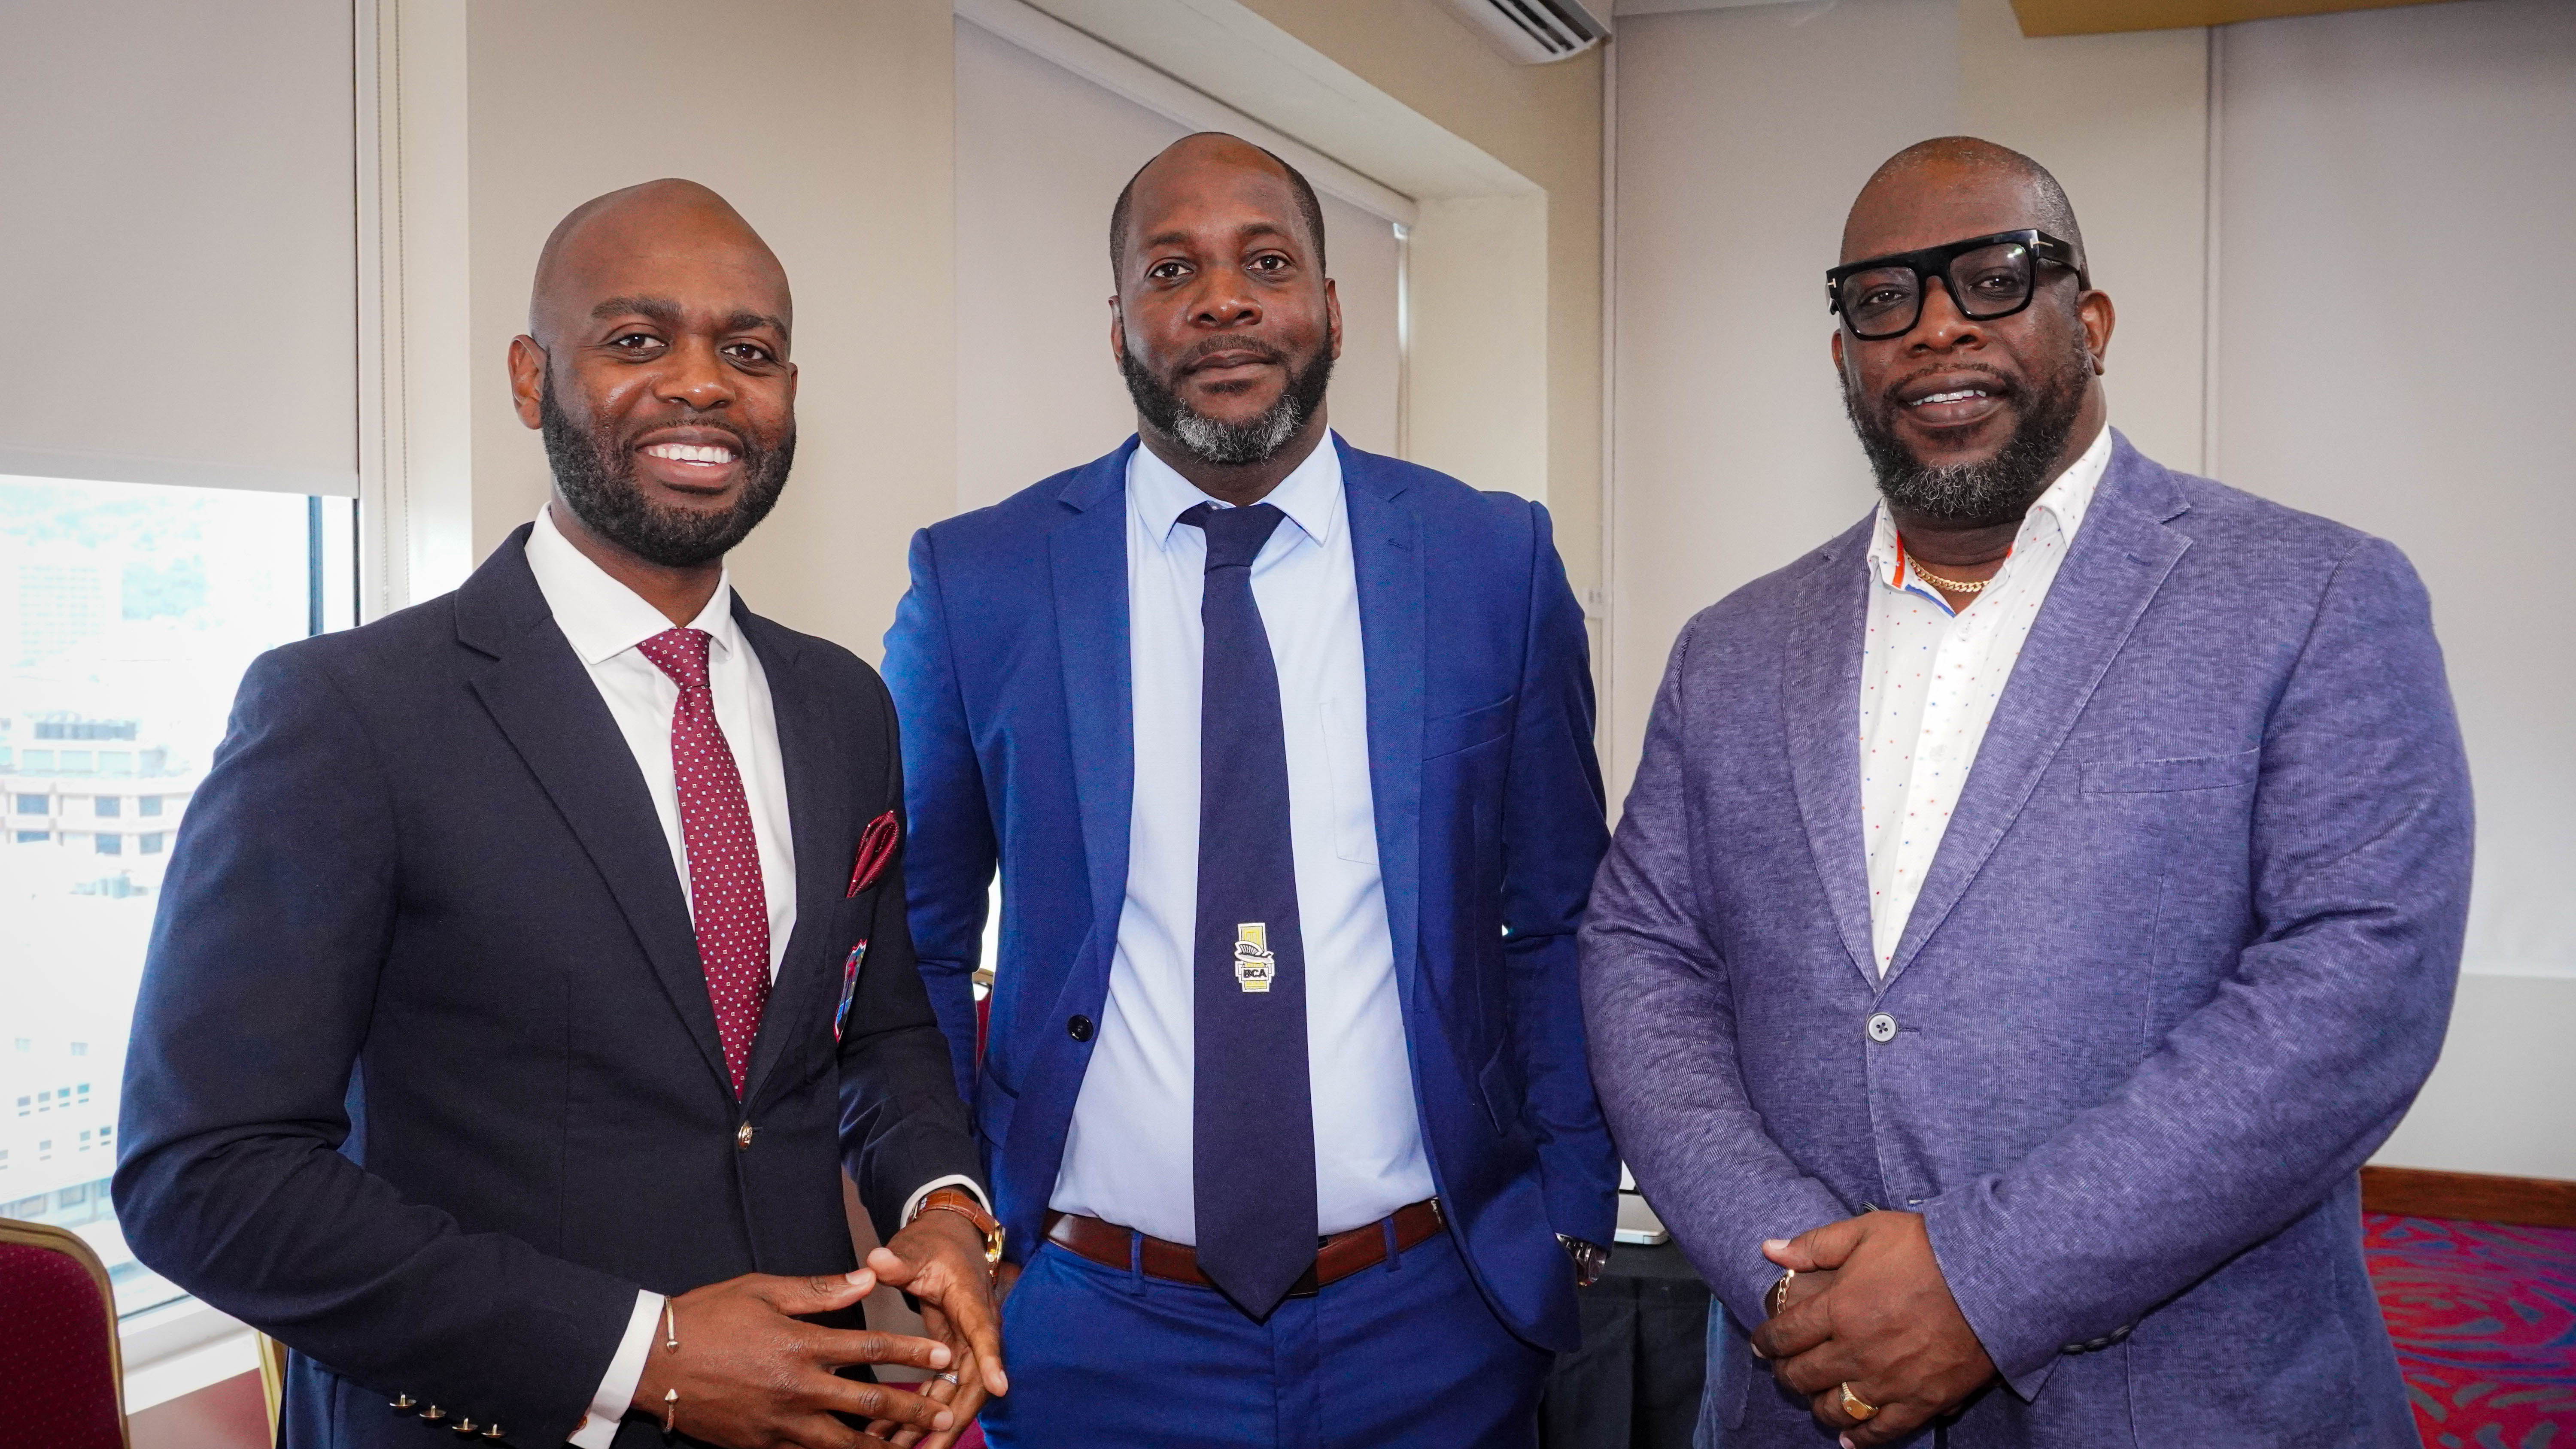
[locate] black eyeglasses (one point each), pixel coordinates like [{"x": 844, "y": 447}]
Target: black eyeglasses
[{"x": 1987, "y": 277}]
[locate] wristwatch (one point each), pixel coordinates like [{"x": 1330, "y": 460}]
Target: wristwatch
[
  {"x": 1591, "y": 1260},
  {"x": 963, "y": 1203}
]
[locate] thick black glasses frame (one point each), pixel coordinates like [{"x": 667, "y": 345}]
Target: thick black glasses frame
[{"x": 1933, "y": 263}]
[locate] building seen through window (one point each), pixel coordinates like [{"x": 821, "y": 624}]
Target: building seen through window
[{"x": 127, "y": 615}]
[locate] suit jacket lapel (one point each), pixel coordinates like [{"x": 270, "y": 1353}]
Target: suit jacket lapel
[
  {"x": 1088, "y": 559},
  {"x": 2119, "y": 559},
  {"x": 1386, "y": 555},
  {"x": 1820, "y": 694},
  {"x": 544, "y": 702},
  {"x": 817, "y": 762}
]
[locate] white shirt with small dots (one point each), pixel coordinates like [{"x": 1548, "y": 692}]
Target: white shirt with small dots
[{"x": 1929, "y": 680}]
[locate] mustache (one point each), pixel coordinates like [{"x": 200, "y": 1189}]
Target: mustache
[{"x": 1200, "y": 352}]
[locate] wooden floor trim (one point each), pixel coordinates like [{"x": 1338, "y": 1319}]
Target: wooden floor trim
[{"x": 2540, "y": 1202}]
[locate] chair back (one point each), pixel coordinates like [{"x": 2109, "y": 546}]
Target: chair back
[
  {"x": 62, "y": 1382},
  {"x": 272, "y": 1382}
]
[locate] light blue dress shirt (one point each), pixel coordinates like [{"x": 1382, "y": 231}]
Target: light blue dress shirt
[{"x": 1128, "y": 1152}]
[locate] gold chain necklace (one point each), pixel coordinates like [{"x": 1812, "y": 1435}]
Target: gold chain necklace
[{"x": 1956, "y": 586}]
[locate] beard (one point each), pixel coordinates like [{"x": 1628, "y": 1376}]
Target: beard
[
  {"x": 1223, "y": 444},
  {"x": 1977, "y": 495},
  {"x": 596, "y": 474}
]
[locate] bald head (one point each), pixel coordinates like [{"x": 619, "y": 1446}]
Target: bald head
[
  {"x": 644, "y": 231},
  {"x": 1202, "y": 159},
  {"x": 1956, "y": 175}
]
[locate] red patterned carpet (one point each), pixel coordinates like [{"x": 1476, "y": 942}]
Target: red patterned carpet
[{"x": 2485, "y": 1321}]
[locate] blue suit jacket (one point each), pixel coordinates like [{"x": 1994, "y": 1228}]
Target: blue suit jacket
[
  {"x": 425, "y": 1081},
  {"x": 2179, "y": 965},
  {"x": 1009, "y": 665}
]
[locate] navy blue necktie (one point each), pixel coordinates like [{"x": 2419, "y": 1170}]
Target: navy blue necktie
[{"x": 1253, "y": 1154}]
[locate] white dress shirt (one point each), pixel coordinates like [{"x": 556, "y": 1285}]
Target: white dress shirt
[
  {"x": 1127, "y": 1154},
  {"x": 1929, "y": 679},
  {"x": 603, "y": 621}
]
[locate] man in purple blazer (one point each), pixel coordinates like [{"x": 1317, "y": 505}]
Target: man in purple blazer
[{"x": 2033, "y": 905}]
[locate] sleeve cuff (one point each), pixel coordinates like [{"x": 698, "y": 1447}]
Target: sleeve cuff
[
  {"x": 912, "y": 1204},
  {"x": 625, "y": 1370}
]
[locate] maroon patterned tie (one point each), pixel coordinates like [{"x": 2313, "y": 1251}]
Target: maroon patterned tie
[{"x": 726, "y": 898}]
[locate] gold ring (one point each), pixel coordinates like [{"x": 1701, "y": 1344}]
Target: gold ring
[{"x": 1858, "y": 1407}]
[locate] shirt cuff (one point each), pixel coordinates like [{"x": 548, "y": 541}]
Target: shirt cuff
[
  {"x": 912, "y": 1204},
  {"x": 617, "y": 1389}
]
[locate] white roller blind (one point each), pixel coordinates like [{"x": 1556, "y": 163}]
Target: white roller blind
[
  {"x": 177, "y": 237},
  {"x": 2397, "y": 199},
  {"x": 1041, "y": 154}
]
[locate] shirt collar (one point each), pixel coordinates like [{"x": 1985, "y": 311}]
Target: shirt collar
[
  {"x": 1311, "y": 495},
  {"x": 600, "y": 617},
  {"x": 2063, "y": 504}
]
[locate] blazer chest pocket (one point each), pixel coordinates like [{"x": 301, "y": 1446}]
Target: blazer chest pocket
[
  {"x": 1452, "y": 734},
  {"x": 2195, "y": 772}
]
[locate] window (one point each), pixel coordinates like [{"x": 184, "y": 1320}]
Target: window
[{"x": 127, "y": 614}]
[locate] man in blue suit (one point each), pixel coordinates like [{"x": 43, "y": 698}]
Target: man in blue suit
[
  {"x": 2034, "y": 904},
  {"x": 1284, "y": 752}
]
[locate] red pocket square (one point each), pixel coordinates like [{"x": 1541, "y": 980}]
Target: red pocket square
[{"x": 876, "y": 851}]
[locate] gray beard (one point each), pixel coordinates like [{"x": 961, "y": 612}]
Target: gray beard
[
  {"x": 1222, "y": 444},
  {"x": 1976, "y": 495}
]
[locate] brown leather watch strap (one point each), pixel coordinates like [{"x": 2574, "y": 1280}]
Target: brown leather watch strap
[{"x": 963, "y": 1203}]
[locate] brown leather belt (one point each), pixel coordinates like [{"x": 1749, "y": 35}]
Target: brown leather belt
[{"x": 1339, "y": 1257}]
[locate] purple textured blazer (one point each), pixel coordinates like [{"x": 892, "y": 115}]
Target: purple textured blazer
[{"x": 2182, "y": 961}]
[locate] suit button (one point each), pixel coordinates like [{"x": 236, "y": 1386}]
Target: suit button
[
  {"x": 1079, "y": 1028},
  {"x": 1882, "y": 1028},
  {"x": 742, "y": 1138}
]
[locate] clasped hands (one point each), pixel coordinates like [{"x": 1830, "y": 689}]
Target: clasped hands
[
  {"x": 1868, "y": 1307},
  {"x": 749, "y": 1374}
]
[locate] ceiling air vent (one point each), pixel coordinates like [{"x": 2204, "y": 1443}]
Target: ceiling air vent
[{"x": 1534, "y": 32}]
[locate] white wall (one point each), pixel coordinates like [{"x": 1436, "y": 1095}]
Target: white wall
[
  {"x": 1041, "y": 154},
  {"x": 2362, "y": 351},
  {"x": 2397, "y": 198}
]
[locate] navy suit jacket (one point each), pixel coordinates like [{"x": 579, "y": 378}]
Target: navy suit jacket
[
  {"x": 1009, "y": 663},
  {"x": 2182, "y": 958},
  {"x": 425, "y": 1081}
]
